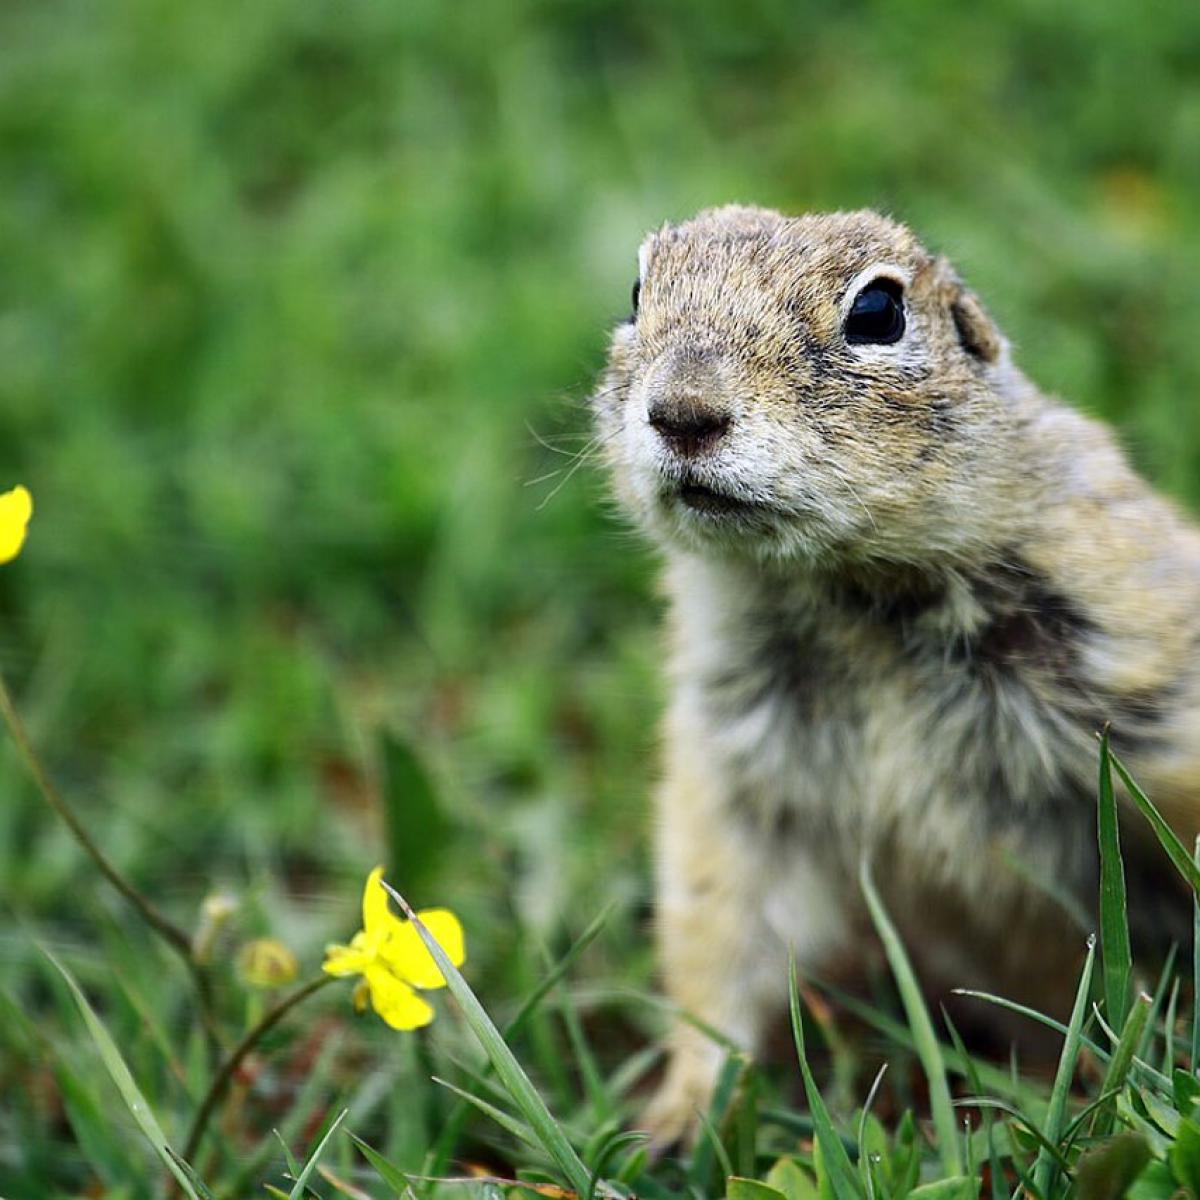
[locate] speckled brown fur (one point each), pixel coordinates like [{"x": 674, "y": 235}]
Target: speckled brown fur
[{"x": 906, "y": 588}]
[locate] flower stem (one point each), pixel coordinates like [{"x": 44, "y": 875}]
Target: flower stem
[
  {"x": 172, "y": 934},
  {"x": 221, "y": 1080}
]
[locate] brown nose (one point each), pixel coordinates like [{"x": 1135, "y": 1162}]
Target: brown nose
[{"x": 687, "y": 426}]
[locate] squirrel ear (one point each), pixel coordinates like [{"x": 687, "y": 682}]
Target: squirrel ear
[{"x": 976, "y": 331}]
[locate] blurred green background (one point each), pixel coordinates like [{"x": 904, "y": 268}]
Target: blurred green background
[{"x": 299, "y": 306}]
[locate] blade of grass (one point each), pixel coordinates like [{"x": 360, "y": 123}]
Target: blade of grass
[
  {"x": 612, "y": 1145},
  {"x": 1026, "y": 1189},
  {"x": 585, "y": 1060},
  {"x": 386, "y": 1170},
  {"x": 304, "y": 1112},
  {"x": 837, "y": 1162},
  {"x": 1122, "y": 1060},
  {"x": 439, "y": 1153},
  {"x": 297, "y": 1192},
  {"x": 1046, "y": 1167},
  {"x": 700, "y": 1168},
  {"x": 1114, "y": 917},
  {"x": 1047, "y": 1146},
  {"x": 521, "y": 1132},
  {"x": 928, "y": 1049},
  {"x": 713, "y": 1139},
  {"x": 525, "y": 1096},
  {"x": 1166, "y": 835},
  {"x": 977, "y": 1087},
  {"x": 1169, "y": 1029},
  {"x": 130, "y": 1093},
  {"x": 1081, "y": 1117},
  {"x": 195, "y": 1179},
  {"x": 864, "y": 1158},
  {"x": 995, "y": 1078},
  {"x": 746, "y": 1122},
  {"x": 1153, "y": 1074},
  {"x": 1166, "y": 975},
  {"x": 290, "y": 1160},
  {"x": 1194, "y": 1060}
]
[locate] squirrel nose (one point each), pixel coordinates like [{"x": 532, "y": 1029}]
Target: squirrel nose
[{"x": 687, "y": 425}]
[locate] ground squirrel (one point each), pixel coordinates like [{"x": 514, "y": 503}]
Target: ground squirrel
[{"x": 905, "y": 590}]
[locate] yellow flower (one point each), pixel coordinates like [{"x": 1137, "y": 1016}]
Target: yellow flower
[
  {"x": 266, "y": 963},
  {"x": 391, "y": 958},
  {"x": 16, "y": 507}
]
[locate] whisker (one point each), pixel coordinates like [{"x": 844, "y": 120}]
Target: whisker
[
  {"x": 542, "y": 441},
  {"x": 568, "y": 473}
]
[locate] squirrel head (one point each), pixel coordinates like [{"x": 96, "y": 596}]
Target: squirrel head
[{"x": 818, "y": 387}]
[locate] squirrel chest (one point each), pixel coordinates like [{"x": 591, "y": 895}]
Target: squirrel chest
[{"x": 957, "y": 716}]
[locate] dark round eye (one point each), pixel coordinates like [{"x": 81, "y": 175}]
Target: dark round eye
[
  {"x": 635, "y": 295},
  {"x": 877, "y": 316}
]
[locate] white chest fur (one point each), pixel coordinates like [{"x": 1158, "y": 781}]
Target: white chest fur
[{"x": 859, "y": 735}]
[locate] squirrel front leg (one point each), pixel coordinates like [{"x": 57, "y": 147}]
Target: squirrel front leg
[{"x": 727, "y": 914}]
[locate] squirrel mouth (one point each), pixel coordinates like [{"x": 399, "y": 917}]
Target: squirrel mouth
[{"x": 701, "y": 499}]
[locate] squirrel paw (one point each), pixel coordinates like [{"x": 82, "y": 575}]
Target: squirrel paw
[{"x": 672, "y": 1116}]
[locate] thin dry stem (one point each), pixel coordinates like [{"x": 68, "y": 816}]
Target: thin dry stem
[{"x": 172, "y": 934}]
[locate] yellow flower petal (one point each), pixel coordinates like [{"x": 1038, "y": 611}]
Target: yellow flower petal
[
  {"x": 395, "y": 1001},
  {"x": 376, "y": 914},
  {"x": 405, "y": 953},
  {"x": 345, "y": 960},
  {"x": 16, "y": 507}
]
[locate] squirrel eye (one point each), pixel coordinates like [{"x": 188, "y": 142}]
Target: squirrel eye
[
  {"x": 877, "y": 315},
  {"x": 634, "y": 296}
]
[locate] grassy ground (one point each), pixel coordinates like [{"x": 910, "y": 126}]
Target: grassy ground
[{"x": 298, "y": 307}]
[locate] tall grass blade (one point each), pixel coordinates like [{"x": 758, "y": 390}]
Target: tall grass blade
[
  {"x": 297, "y": 1192},
  {"x": 524, "y": 1095},
  {"x": 1019, "y": 1118},
  {"x": 581, "y": 1052},
  {"x": 1045, "y": 1168},
  {"x": 1165, "y": 834},
  {"x": 201, "y": 1190},
  {"x": 976, "y": 1085},
  {"x": 837, "y": 1163},
  {"x": 1165, "y": 976},
  {"x": 289, "y": 1159},
  {"x": 384, "y": 1168},
  {"x": 713, "y": 1139},
  {"x": 439, "y": 1153},
  {"x": 925, "y": 1040},
  {"x": 1152, "y": 1074},
  {"x": 995, "y": 1078},
  {"x": 130, "y": 1093},
  {"x": 1169, "y": 1029},
  {"x": 1122, "y": 1060},
  {"x": 608, "y": 1149},
  {"x": 1194, "y": 1059},
  {"x": 1114, "y": 916},
  {"x": 521, "y": 1132},
  {"x": 709, "y": 1147},
  {"x": 864, "y": 1126}
]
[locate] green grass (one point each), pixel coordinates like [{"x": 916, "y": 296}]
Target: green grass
[{"x": 298, "y": 308}]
